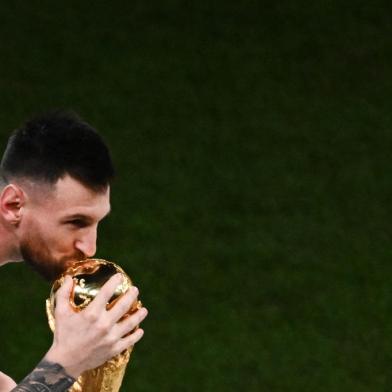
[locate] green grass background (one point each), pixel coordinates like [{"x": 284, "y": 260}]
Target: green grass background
[{"x": 253, "y": 200}]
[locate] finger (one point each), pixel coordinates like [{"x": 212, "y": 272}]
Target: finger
[
  {"x": 128, "y": 341},
  {"x": 130, "y": 323},
  {"x": 63, "y": 295},
  {"x": 123, "y": 305},
  {"x": 105, "y": 293}
]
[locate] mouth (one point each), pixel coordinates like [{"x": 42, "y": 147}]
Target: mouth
[{"x": 69, "y": 262}]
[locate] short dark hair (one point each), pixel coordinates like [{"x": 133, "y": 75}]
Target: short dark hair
[{"x": 54, "y": 144}]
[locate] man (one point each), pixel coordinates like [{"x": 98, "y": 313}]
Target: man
[{"x": 55, "y": 190}]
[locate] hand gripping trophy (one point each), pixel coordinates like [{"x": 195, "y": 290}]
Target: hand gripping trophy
[{"x": 89, "y": 276}]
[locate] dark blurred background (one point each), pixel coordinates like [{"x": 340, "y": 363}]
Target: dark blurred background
[{"x": 253, "y": 200}]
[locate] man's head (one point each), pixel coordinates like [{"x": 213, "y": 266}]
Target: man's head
[{"x": 56, "y": 171}]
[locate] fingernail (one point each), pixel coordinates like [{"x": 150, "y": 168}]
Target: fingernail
[
  {"x": 135, "y": 289},
  {"x": 143, "y": 311}
]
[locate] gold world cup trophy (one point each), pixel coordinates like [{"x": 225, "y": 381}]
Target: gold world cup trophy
[{"x": 89, "y": 276}]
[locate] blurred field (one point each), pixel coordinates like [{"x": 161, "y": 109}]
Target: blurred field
[{"x": 253, "y": 200}]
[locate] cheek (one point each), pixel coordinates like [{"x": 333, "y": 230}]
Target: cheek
[
  {"x": 54, "y": 237},
  {"x": 45, "y": 231},
  {"x": 60, "y": 239}
]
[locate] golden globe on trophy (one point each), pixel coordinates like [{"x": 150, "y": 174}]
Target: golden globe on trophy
[{"x": 89, "y": 276}]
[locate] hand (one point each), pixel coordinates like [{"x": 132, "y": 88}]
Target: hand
[{"x": 86, "y": 339}]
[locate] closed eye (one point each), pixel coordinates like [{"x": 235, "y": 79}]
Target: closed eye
[{"x": 78, "y": 223}]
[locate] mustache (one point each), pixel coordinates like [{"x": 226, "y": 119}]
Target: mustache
[
  {"x": 78, "y": 256},
  {"x": 50, "y": 269}
]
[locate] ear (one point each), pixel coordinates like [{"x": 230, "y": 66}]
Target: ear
[{"x": 12, "y": 200}]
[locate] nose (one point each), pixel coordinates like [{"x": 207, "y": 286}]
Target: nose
[{"x": 87, "y": 243}]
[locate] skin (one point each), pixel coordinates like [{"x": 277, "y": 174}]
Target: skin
[
  {"x": 61, "y": 227},
  {"x": 50, "y": 226}
]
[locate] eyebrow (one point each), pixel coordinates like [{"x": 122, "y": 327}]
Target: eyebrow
[
  {"x": 84, "y": 217},
  {"x": 77, "y": 217}
]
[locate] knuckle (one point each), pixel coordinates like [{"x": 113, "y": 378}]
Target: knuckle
[
  {"x": 131, "y": 323},
  {"x": 137, "y": 317},
  {"x": 120, "y": 347},
  {"x": 109, "y": 340},
  {"x": 133, "y": 338},
  {"x": 92, "y": 317},
  {"x": 134, "y": 291},
  {"x": 112, "y": 283},
  {"x": 103, "y": 327},
  {"x": 128, "y": 297},
  {"x": 117, "y": 349},
  {"x": 103, "y": 293},
  {"x": 124, "y": 305},
  {"x": 142, "y": 314}
]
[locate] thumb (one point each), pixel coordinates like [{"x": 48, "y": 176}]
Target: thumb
[{"x": 63, "y": 295}]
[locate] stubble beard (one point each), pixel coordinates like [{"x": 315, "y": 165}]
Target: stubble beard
[{"x": 36, "y": 254}]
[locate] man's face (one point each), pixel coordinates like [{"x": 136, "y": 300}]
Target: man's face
[{"x": 59, "y": 225}]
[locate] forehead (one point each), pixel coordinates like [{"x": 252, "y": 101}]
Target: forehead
[{"x": 69, "y": 196}]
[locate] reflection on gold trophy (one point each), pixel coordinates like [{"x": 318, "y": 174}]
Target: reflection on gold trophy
[{"x": 89, "y": 276}]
